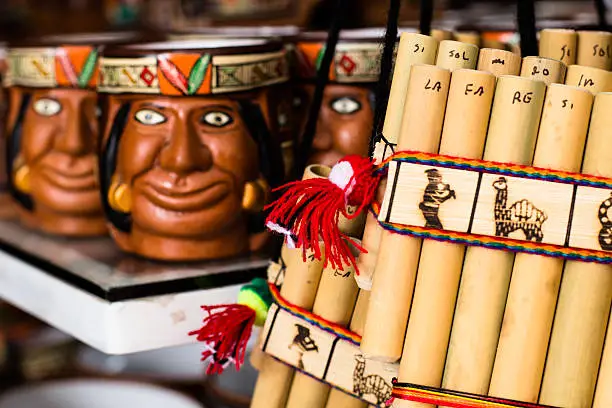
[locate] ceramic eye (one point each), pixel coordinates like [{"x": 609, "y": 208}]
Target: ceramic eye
[
  {"x": 217, "y": 119},
  {"x": 47, "y": 107},
  {"x": 345, "y": 105},
  {"x": 149, "y": 117}
]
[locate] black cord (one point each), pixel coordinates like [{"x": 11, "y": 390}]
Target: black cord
[
  {"x": 427, "y": 7},
  {"x": 305, "y": 146},
  {"x": 525, "y": 14},
  {"x": 386, "y": 68},
  {"x": 602, "y": 18}
]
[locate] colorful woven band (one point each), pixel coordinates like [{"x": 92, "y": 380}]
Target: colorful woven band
[
  {"x": 446, "y": 398},
  {"x": 313, "y": 319},
  {"x": 191, "y": 73},
  {"x": 496, "y": 205},
  {"x": 53, "y": 67},
  {"x": 352, "y": 63}
]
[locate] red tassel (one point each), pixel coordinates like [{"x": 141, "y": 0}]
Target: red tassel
[
  {"x": 225, "y": 331},
  {"x": 309, "y": 210}
]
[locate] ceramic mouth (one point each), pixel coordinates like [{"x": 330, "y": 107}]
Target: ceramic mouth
[
  {"x": 192, "y": 198},
  {"x": 70, "y": 180}
]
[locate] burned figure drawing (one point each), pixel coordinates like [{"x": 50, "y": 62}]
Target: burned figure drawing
[
  {"x": 605, "y": 233},
  {"x": 436, "y": 193},
  {"x": 303, "y": 342},
  {"x": 521, "y": 215}
]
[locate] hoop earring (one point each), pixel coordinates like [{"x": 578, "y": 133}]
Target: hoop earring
[
  {"x": 120, "y": 196},
  {"x": 255, "y": 195}
]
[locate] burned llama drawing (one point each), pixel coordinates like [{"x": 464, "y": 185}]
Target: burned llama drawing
[
  {"x": 521, "y": 215},
  {"x": 372, "y": 384},
  {"x": 605, "y": 233}
]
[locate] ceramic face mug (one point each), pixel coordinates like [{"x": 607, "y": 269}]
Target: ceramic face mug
[
  {"x": 51, "y": 138},
  {"x": 347, "y": 112},
  {"x": 189, "y": 150}
]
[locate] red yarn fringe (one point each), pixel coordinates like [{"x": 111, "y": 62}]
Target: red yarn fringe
[
  {"x": 311, "y": 210},
  {"x": 225, "y": 331}
]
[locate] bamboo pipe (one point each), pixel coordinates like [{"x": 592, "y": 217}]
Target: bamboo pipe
[
  {"x": 439, "y": 34},
  {"x": 559, "y": 44},
  {"x": 337, "y": 398},
  {"x": 594, "y": 79},
  {"x": 468, "y": 37},
  {"x": 456, "y": 55},
  {"x": 359, "y": 314},
  {"x": 585, "y": 296},
  {"x": 548, "y": 70},
  {"x": 513, "y": 129},
  {"x": 532, "y": 297},
  {"x": 334, "y": 302},
  {"x": 499, "y": 62},
  {"x": 594, "y": 49},
  {"x": 493, "y": 43},
  {"x": 413, "y": 49},
  {"x": 465, "y": 129},
  {"x": 395, "y": 271},
  {"x": 603, "y": 391},
  {"x": 299, "y": 287}
]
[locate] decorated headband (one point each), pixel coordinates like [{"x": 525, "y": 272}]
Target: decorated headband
[
  {"x": 193, "y": 72},
  {"x": 53, "y": 67},
  {"x": 354, "y": 62}
]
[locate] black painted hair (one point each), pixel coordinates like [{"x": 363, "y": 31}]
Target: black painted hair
[
  {"x": 270, "y": 159},
  {"x": 107, "y": 164},
  {"x": 13, "y": 147}
]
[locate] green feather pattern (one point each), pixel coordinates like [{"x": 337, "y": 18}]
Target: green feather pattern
[
  {"x": 88, "y": 68},
  {"x": 196, "y": 76},
  {"x": 319, "y": 58}
]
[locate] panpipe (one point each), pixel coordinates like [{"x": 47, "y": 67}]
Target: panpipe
[{"x": 463, "y": 317}]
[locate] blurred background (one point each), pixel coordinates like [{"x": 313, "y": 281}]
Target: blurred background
[{"x": 19, "y": 18}]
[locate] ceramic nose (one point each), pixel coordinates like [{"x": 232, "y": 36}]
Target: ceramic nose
[
  {"x": 185, "y": 153},
  {"x": 324, "y": 138},
  {"x": 77, "y": 138}
]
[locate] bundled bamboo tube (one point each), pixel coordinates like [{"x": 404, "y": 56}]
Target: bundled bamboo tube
[
  {"x": 468, "y": 37},
  {"x": 300, "y": 286},
  {"x": 413, "y": 49},
  {"x": 595, "y": 49},
  {"x": 339, "y": 399},
  {"x": 595, "y": 80},
  {"x": 465, "y": 129},
  {"x": 548, "y": 70},
  {"x": 513, "y": 129},
  {"x": 441, "y": 35},
  {"x": 456, "y": 55},
  {"x": 359, "y": 314},
  {"x": 603, "y": 391},
  {"x": 559, "y": 44},
  {"x": 585, "y": 296},
  {"x": 532, "y": 297},
  {"x": 334, "y": 302},
  {"x": 499, "y": 62},
  {"x": 398, "y": 255}
]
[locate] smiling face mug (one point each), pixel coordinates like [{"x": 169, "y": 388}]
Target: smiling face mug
[
  {"x": 51, "y": 138},
  {"x": 347, "y": 111},
  {"x": 189, "y": 152}
]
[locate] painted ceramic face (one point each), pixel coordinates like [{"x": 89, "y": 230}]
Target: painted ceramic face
[
  {"x": 59, "y": 140},
  {"x": 344, "y": 124},
  {"x": 186, "y": 161}
]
